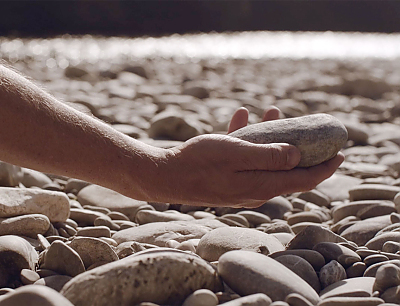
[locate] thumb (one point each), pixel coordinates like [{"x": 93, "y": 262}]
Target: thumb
[{"x": 274, "y": 157}]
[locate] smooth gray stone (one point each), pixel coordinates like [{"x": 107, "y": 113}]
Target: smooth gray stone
[
  {"x": 302, "y": 268},
  {"x": 377, "y": 242},
  {"x": 312, "y": 235},
  {"x": 149, "y": 216},
  {"x": 352, "y": 208},
  {"x": 331, "y": 273},
  {"x": 313, "y": 257},
  {"x": 161, "y": 276},
  {"x": 55, "y": 282},
  {"x": 221, "y": 240},
  {"x": 34, "y": 295},
  {"x": 254, "y": 218},
  {"x": 93, "y": 250},
  {"x": 201, "y": 297},
  {"x": 27, "y": 225},
  {"x": 371, "y": 270},
  {"x": 62, "y": 259},
  {"x": 256, "y": 299},
  {"x": 159, "y": 233},
  {"x": 373, "y": 192},
  {"x": 357, "y": 286},
  {"x": 319, "y": 137},
  {"x": 362, "y": 231},
  {"x": 103, "y": 197},
  {"x": 22, "y": 201},
  {"x": 334, "y": 251},
  {"x": 275, "y": 208},
  {"x": 249, "y": 272},
  {"x": 391, "y": 295},
  {"x": 386, "y": 276},
  {"x": 15, "y": 254},
  {"x": 354, "y": 301}
]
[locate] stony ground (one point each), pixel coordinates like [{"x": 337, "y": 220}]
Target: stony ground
[{"x": 338, "y": 244}]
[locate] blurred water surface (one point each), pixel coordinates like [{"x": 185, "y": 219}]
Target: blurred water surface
[{"x": 67, "y": 50}]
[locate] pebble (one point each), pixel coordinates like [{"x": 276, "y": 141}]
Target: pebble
[
  {"x": 32, "y": 178},
  {"x": 162, "y": 277},
  {"x": 275, "y": 208},
  {"x": 305, "y": 216},
  {"x": 248, "y": 273},
  {"x": 356, "y": 270},
  {"x": 373, "y": 192},
  {"x": 221, "y": 240},
  {"x": 316, "y": 260},
  {"x": 334, "y": 251},
  {"x": 27, "y": 225},
  {"x": 28, "y": 277},
  {"x": 85, "y": 217},
  {"x": 352, "y": 208},
  {"x": 10, "y": 175},
  {"x": 95, "y": 195},
  {"x": 302, "y": 268},
  {"x": 338, "y": 185},
  {"x": 312, "y": 235},
  {"x": 150, "y": 216},
  {"x": 160, "y": 232},
  {"x": 95, "y": 231},
  {"x": 62, "y": 259},
  {"x": 256, "y": 299},
  {"x": 55, "y": 282},
  {"x": 318, "y": 137},
  {"x": 16, "y": 254},
  {"x": 351, "y": 301},
  {"x": 295, "y": 299},
  {"x": 92, "y": 250},
  {"x": 20, "y": 201},
  {"x": 201, "y": 297},
  {"x": 331, "y": 273},
  {"x": 377, "y": 242},
  {"x": 386, "y": 276},
  {"x": 254, "y": 218},
  {"x": 316, "y": 197},
  {"x": 34, "y": 295}
]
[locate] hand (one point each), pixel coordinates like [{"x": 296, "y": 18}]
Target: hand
[{"x": 219, "y": 170}]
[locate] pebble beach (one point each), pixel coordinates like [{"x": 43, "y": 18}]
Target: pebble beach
[{"x": 67, "y": 242}]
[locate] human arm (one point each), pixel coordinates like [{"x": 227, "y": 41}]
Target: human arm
[{"x": 41, "y": 133}]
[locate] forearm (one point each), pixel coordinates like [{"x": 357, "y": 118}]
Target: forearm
[{"x": 41, "y": 133}]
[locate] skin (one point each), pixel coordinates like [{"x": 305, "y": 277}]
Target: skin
[{"x": 41, "y": 133}]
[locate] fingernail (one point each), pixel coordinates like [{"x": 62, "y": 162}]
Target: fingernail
[{"x": 293, "y": 157}]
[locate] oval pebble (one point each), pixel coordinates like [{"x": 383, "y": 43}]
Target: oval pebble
[
  {"x": 221, "y": 240},
  {"x": 149, "y": 216},
  {"x": 162, "y": 277},
  {"x": 334, "y": 251},
  {"x": 331, "y": 273},
  {"x": 27, "y": 225},
  {"x": 55, "y": 282},
  {"x": 318, "y": 137},
  {"x": 95, "y": 231},
  {"x": 201, "y": 297},
  {"x": 256, "y": 299},
  {"x": 351, "y": 301},
  {"x": 353, "y": 287},
  {"x": 373, "y": 192},
  {"x": 248, "y": 273},
  {"x": 313, "y": 257}
]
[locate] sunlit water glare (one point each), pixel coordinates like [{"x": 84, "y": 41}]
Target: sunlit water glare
[{"x": 66, "y": 50}]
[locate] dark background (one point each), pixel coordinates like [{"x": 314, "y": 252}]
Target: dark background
[{"x": 137, "y": 18}]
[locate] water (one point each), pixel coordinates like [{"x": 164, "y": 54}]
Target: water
[{"x": 66, "y": 50}]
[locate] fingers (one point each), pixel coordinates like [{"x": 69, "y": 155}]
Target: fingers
[
  {"x": 271, "y": 157},
  {"x": 271, "y": 113},
  {"x": 239, "y": 119},
  {"x": 298, "y": 179}
]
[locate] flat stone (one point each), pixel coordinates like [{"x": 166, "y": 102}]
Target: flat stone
[
  {"x": 312, "y": 235},
  {"x": 160, "y": 276},
  {"x": 22, "y": 201},
  {"x": 103, "y": 197},
  {"x": 351, "y": 301},
  {"x": 318, "y": 137},
  {"x": 275, "y": 208},
  {"x": 34, "y": 295},
  {"x": 27, "y": 225},
  {"x": 28, "y": 277},
  {"x": 221, "y": 240},
  {"x": 304, "y": 216},
  {"x": 92, "y": 250},
  {"x": 55, "y": 282},
  {"x": 256, "y": 299},
  {"x": 362, "y": 231},
  {"x": 148, "y": 216},
  {"x": 32, "y": 178},
  {"x": 371, "y": 270},
  {"x": 63, "y": 259},
  {"x": 376, "y": 210},
  {"x": 356, "y": 270},
  {"x": 201, "y": 297},
  {"x": 352, "y": 208},
  {"x": 160, "y": 233},
  {"x": 386, "y": 276},
  {"x": 377, "y": 242},
  {"x": 316, "y": 197},
  {"x": 248, "y": 273},
  {"x": 16, "y": 254},
  {"x": 334, "y": 251},
  {"x": 352, "y": 287},
  {"x": 373, "y": 192},
  {"x": 95, "y": 231},
  {"x": 302, "y": 268}
]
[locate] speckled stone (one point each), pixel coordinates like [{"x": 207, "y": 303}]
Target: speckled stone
[
  {"x": 27, "y": 225},
  {"x": 22, "y": 201},
  {"x": 318, "y": 137},
  {"x": 331, "y": 273},
  {"x": 221, "y": 240},
  {"x": 161, "y": 276}
]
